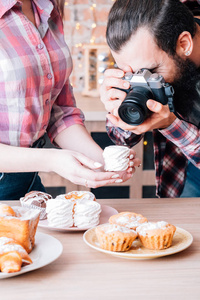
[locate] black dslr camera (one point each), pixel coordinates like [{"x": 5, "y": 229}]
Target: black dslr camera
[{"x": 144, "y": 85}]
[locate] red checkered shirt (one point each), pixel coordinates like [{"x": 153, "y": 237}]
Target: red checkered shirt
[
  {"x": 170, "y": 161},
  {"x": 35, "y": 64}
]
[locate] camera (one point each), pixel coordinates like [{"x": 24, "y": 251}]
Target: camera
[{"x": 144, "y": 85}]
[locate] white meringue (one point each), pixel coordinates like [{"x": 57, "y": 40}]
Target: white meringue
[
  {"x": 116, "y": 158},
  {"x": 59, "y": 213},
  {"x": 77, "y": 196},
  {"x": 86, "y": 214}
]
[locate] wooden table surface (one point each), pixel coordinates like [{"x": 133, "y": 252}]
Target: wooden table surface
[{"x": 82, "y": 273}]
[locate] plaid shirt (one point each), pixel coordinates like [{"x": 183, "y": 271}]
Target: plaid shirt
[
  {"x": 35, "y": 64},
  {"x": 170, "y": 161}
]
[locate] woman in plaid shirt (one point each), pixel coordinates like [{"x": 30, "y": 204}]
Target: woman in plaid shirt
[
  {"x": 163, "y": 37},
  {"x": 36, "y": 97}
]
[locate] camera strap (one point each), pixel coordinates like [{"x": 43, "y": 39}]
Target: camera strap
[{"x": 169, "y": 92}]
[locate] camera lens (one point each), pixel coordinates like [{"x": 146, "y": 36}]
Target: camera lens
[{"x": 133, "y": 109}]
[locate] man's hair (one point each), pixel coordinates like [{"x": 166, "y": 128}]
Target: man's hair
[{"x": 165, "y": 20}]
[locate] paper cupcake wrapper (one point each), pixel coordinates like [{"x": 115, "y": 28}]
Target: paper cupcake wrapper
[{"x": 43, "y": 214}]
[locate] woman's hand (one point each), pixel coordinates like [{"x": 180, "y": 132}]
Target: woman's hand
[{"x": 81, "y": 170}]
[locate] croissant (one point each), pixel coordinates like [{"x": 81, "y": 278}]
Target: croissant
[{"x": 12, "y": 255}]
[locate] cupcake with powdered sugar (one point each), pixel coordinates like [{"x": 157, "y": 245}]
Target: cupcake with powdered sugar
[
  {"x": 113, "y": 237},
  {"x": 156, "y": 235}
]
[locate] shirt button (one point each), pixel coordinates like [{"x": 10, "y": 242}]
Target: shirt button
[
  {"x": 47, "y": 102},
  {"x": 45, "y": 127},
  {"x": 40, "y": 46},
  {"x": 49, "y": 76}
]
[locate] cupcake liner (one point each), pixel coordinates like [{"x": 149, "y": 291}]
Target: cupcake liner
[
  {"x": 157, "y": 242},
  {"x": 43, "y": 214}
]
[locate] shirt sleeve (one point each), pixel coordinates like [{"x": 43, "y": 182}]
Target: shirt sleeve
[
  {"x": 64, "y": 112},
  {"x": 186, "y": 137},
  {"x": 122, "y": 137}
]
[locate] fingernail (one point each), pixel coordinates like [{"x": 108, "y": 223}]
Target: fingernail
[
  {"x": 126, "y": 85},
  {"x": 151, "y": 104},
  {"x": 131, "y": 163},
  {"x": 115, "y": 176},
  {"x": 120, "y": 73},
  {"x": 118, "y": 180},
  {"x": 97, "y": 164},
  {"x": 139, "y": 165},
  {"x": 131, "y": 156}
]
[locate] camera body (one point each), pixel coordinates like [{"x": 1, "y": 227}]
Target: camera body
[{"x": 144, "y": 85}]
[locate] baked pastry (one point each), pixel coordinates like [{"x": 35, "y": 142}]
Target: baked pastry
[
  {"x": 130, "y": 220},
  {"x": 77, "y": 196},
  {"x": 156, "y": 235},
  {"x": 20, "y": 226},
  {"x": 59, "y": 213},
  {"x": 12, "y": 255},
  {"x": 114, "y": 237},
  {"x": 86, "y": 214},
  {"x": 36, "y": 200},
  {"x": 6, "y": 210},
  {"x": 116, "y": 158}
]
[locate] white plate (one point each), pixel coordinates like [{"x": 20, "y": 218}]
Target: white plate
[
  {"x": 106, "y": 213},
  {"x": 46, "y": 250},
  {"x": 182, "y": 239}
]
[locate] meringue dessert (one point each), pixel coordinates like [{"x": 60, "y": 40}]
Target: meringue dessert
[
  {"x": 78, "y": 209},
  {"x": 116, "y": 158},
  {"x": 59, "y": 213},
  {"x": 86, "y": 214},
  {"x": 77, "y": 196}
]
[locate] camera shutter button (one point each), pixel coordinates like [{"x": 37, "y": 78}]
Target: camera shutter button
[{"x": 155, "y": 76}]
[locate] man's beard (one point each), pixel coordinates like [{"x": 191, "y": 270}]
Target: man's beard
[{"x": 187, "y": 90}]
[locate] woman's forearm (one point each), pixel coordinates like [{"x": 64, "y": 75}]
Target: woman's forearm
[
  {"x": 19, "y": 159},
  {"x": 77, "y": 138}
]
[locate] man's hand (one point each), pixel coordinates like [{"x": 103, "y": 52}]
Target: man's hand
[{"x": 161, "y": 116}]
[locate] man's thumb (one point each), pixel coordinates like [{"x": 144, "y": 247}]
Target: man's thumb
[{"x": 154, "y": 105}]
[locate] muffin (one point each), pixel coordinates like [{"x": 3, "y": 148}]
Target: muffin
[
  {"x": 156, "y": 235},
  {"x": 36, "y": 200},
  {"x": 130, "y": 220},
  {"x": 114, "y": 237},
  {"x": 116, "y": 158}
]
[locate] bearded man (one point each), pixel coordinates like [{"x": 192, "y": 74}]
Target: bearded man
[{"x": 162, "y": 36}]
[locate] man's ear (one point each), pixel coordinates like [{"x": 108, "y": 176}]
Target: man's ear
[{"x": 184, "y": 45}]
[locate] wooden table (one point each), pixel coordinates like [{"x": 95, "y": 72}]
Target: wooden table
[{"x": 82, "y": 273}]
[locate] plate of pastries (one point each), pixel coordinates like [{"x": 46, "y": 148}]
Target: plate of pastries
[
  {"x": 22, "y": 248},
  {"x": 73, "y": 211},
  {"x": 130, "y": 235}
]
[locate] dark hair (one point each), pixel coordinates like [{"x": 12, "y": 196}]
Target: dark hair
[
  {"x": 194, "y": 6},
  {"x": 61, "y": 5},
  {"x": 165, "y": 20}
]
